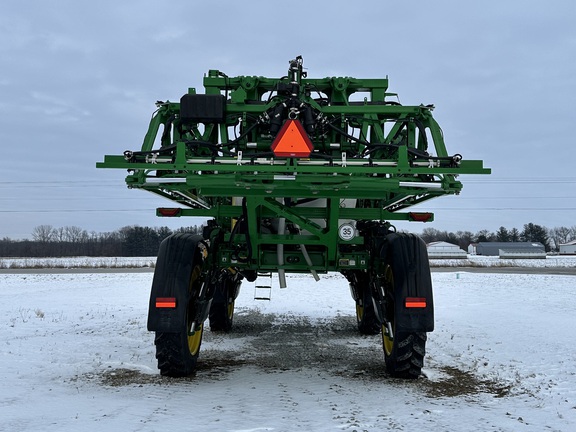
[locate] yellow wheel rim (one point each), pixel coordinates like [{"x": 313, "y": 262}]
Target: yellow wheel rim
[
  {"x": 359, "y": 312},
  {"x": 387, "y": 341},
  {"x": 230, "y": 310},
  {"x": 194, "y": 340}
]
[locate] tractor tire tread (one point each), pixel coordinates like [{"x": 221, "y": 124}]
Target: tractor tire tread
[
  {"x": 173, "y": 361},
  {"x": 409, "y": 358},
  {"x": 218, "y": 316}
]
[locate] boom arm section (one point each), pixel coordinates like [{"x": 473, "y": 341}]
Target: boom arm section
[{"x": 318, "y": 153}]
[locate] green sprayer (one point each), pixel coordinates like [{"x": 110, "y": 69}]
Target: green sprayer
[{"x": 293, "y": 175}]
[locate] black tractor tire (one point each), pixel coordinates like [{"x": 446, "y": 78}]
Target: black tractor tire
[
  {"x": 221, "y": 313},
  {"x": 177, "y": 352},
  {"x": 368, "y": 322},
  {"x": 366, "y": 317},
  {"x": 403, "y": 352}
]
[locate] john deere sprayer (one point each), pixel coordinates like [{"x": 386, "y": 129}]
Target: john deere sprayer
[{"x": 294, "y": 175}]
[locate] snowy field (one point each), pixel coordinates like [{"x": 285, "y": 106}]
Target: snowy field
[
  {"x": 76, "y": 355},
  {"x": 78, "y": 262},
  {"x": 553, "y": 261}
]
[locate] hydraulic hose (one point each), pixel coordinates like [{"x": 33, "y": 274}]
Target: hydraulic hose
[
  {"x": 309, "y": 262},
  {"x": 280, "y": 253}
]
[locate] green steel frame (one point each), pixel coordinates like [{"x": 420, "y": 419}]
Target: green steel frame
[{"x": 372, "y": 159}]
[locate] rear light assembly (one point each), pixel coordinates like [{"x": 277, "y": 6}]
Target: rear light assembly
[
  {"x": 169, "y": 212},
  {"x": 165, "y": 302},
  {"x": 415, "y": 302}
]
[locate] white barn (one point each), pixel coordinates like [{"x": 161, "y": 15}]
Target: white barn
[
  {"x": 512, "y": 250},
  {"x": 444, "y": 250},
  {"x": 568, "y": 248}
]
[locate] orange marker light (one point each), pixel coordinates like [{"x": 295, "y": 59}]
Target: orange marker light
[
  {"x": 415, "y": 302},
  {"x": 169, "y": 212},
  {"x": 292, "y": 141},
  {"x": 420, "y": 217},
  {"x": 166, "y": 302}
]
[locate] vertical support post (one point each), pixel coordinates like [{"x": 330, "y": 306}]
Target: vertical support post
[
  {"x": 332, "y": 227},
  {"x": 253, "y": 210}
]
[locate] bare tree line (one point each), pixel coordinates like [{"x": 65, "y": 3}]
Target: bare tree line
[
  {"x": 48, "y": 241},
  {"x": 551, "y": 238}
]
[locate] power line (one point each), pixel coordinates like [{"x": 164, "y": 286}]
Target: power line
[
  {"x": 476, "y": 209},
  {"x": 107, "y": 183},
  {"x": 505, "y": 208},
  {"x": 58, "y": 181},
  {"x": 17, "y": 185},
  {"x": 148, "y": 196},
  {"x": 92, "y": 199},
  {"x": 516, "y": 197},
  {"x": 545, "y": 180},
  {"x": 78, "y": 210}
]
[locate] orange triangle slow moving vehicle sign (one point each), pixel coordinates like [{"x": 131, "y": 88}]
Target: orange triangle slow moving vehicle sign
[{"x": 292, "y": 141}]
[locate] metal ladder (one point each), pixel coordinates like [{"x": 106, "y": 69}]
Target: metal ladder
[{"x": 263, "y": 290}]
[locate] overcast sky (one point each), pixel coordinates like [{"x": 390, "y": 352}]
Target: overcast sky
[{"x": 79, "y": 79}]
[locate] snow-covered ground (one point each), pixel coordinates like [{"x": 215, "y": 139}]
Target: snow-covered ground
[
  {"x": 76, "y": 355},
  {"x": 77, "y": 262},
  {"x": 553, "y": 261}
]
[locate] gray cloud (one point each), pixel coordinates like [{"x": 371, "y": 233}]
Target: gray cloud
[{"x": 79, "y": 80}]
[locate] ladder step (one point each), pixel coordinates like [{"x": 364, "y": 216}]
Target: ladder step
[{"x": 263, "y": 291}]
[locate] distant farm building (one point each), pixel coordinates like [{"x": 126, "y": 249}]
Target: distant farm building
[
  {"x": 512, "y": 250},
  {"x": 568, "y": 248},
  {"x": 444, "y": 250}
]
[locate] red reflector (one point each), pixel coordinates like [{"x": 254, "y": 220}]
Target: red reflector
[
  {"x": 420, "y": 217},
  {"x": 168, "y": 212},
  {"x": 292, "y": 141},
  {"x": 415, "y": 302},
  {"x": 165, "y": 302}
]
